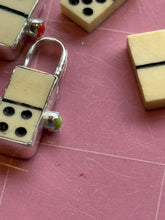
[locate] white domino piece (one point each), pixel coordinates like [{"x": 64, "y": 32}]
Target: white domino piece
[
  {"x": 89, "y": 13},
  {"x": 29, "y": 86},
  {"x": 147, "y": 52}
]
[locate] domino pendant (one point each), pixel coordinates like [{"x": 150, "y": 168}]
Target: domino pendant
[
  {"x": 147, "y": 53},
  {"x": 17, "y": 20},
  {"x": 26, "y": 106},
  {"x": 89, "y": 13}
]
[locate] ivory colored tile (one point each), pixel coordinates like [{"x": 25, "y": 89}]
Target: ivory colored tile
[
  {"x": 148, "y": 59},
  {"x": 11, "y": 28},
  {"x": 87, "y": 13},
  {"x": 147, "y": 48},
  {"x": 29, "y": 86},
  {"x": 23, "y": 5},
  {"x": 152, "y": 83}
]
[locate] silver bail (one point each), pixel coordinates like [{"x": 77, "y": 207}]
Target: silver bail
[{"x": 63, "y": 60}]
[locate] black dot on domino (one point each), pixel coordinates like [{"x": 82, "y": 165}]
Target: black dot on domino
[
  {"x": 21, "y": 132},
  {"x": 88, "y": 11},
  {"x": 3, "y": 126},
  {"x": 74, "y": 2},
  {"x": 101, "y": 1},
  {"x": 9, "y": 111},
  {"x": 87, "y": 2}
]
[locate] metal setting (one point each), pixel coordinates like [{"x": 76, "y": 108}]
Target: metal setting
[
  {"x": 18, "y": 22},
  {"x": 18, "y": 138},
  {"x": 33, "y": 27}
]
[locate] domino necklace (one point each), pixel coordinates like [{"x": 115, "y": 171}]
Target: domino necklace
[{"x": 26, "y": 106}]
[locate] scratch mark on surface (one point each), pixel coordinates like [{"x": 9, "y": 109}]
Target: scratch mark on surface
[
  {"x": 59, "y": 21},
  {"x": 5, "y": 183},
  {"x": 86, "y": 214},
  {"x": 119, "y": 174},
  {"x": 69, "y": 195},
  {"x": 160, "y": 196},
  {"x": 68, "y": 207},
  {"x": 13, "y": 167},
  {"x": 134, "y": 210},
  {"x": 140, "y": 7},
  {"x": 105, "y": 154},
  {"x": 54, "y": 168},
  {"x": 115, "y": 30},
  {"x": 112, "y": 172},
  {"x": 48, "y": 11},
  {"x": 71, "y": 163},
  {"x": 101, "y": 28}
]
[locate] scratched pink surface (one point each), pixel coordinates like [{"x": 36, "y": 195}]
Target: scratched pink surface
[{"x": 108, "y": 160}]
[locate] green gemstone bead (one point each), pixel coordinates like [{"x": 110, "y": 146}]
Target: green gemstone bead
[{"x": 58, "y": 123}]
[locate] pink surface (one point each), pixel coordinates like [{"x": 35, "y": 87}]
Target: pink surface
[{"x": 108, "y": 160}]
